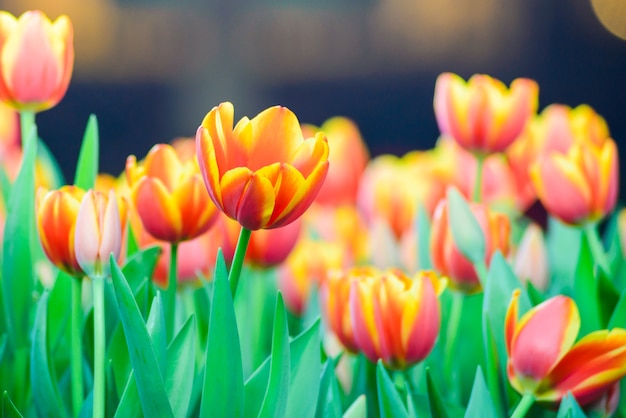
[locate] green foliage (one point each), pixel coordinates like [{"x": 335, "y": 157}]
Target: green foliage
[{"x": 466, "y": 231}]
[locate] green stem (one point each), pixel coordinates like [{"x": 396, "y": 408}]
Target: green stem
[
  {"x": 170, "y": 293},
  {"x": 481, "y": 270},
  {"x": 597, "y": 249},
  {"x": 240, "y": 254},
  {"x": 99, "y": 347},
  {"x": 27, "y": 122},
  {"x": 451, "y": 334},
  {"x": 76, "y": 359},
  {"x": 478, "y": 182},
  {"x": 523, "y": 406}
]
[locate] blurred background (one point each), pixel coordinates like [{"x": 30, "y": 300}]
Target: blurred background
[{"x": 151, "y": 69}]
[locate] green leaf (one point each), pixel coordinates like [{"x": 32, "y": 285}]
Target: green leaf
[
  {"x": 51, "y": 166},
  {"x": 466, "y": 231},
  {"x": 437, "y": 407},
  {"x": 154, "y": 400},
  {"x": 569, "y": 408},
  {"x": 19, "y": 233},
  {"x": 480, "y": 402},
  {"x": 389, "y": 400},
  {"x": 534, "y": 294},
  {"x": 276, "y": 396},
  {"x": 563, "y": 244},
  {"x": 3, "y": 346},
  {"x": 141, "y": 266},
  {"x": 618, "y": 318},
  {"x": 156, "y": 329},
  {"x": 222, "y": 393},
  {"x": 358, "y": 409},
  {"x": 254, "y": 389},
  {"x": 5, "y": 186},
  {"x": 423, "y": 239},
  {"x": 46, "y": 394},
  {"x": 8, "y": 409},
  {"x": 181, "y": 362},
  {"x": 329, "y": 399},
  {"x": 87, "y": 166},
  {"x": 586, "y": 291},
  {"x": 304, "y": 379},
  {"x": 608, "y": 294}
]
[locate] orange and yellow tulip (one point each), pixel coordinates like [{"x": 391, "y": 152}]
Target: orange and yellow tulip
[
  {"x": 482, "y": 114},
  {"x": 37, "y": 58},
  {"x": 261, "y": 172},
  {"x": 580, "y": 186},
  {"x": 396, "y": 318},
  {"x": 544, "y": 360},
  {"x": 447, "y": 258},
  {"x": 98, "y": 233},
  {"x": 169, "y": 196}
]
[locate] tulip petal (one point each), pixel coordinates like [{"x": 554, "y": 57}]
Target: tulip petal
[
  {"x": 87, "y": 233},
  {"x": 510, "y": 321},
  {"x": 277, "y": 133},
  {"x": 362, "y": 318},
  {"x": 311, "y": 153},
  {"x": 163, "y": 163},
  {"x": 232, "y": 186},
  {"x": 111, "y": 228},
  {"x": 157, "y": 209},
  {"x": 197, "y": 210},
  {"x": 257, "y": 203},
  {"x": 207, "y": 160},
  {"x": 420, "y": 320}
]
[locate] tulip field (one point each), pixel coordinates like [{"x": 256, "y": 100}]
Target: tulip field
[{"x": 272, "y": 268}]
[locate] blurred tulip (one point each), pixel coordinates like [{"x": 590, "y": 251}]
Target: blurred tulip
[
  {"x": 544, "y": 361},
  {"x": 37, "y": 58},
  {"x": 482, "y": 115},
  {"x": 168, "y": 195},
  {"x": 396, "y": 318},
  {"x": 531, "y": 258},
  {"x": 98, "y": 233},
  {"x": 306, "y": 268},
  {"x": 447, "y": 258},
  {"x": 580, "y": 186},
  {"x": 348, "y": 158},
  {"x": 261, "y": 173}
]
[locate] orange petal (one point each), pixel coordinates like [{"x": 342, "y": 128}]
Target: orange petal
[
  {"x": 232, "y": 186},
  {"x": 277, "y": 134},
  {"x": 207, "y": 160},
  {"x": 157, "y": 209},
  {"x": 421, "y": 320},
  {"x": 312, "y": 152},
  {"x": 362, "y": 318},
  {"x": 257, "y": 203},
  {"x": 162, "y": 162},
  {"x": 510, "y": 321},
  {"x": 196, "y": 208}
]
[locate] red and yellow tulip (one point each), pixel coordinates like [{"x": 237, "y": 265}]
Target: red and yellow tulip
[
  {"x": 98, "y": 233},
  {"x": 580, "y": 186},
  {"x": 169, "y": 196},
  {"x": 37, "y": 58},
  {"x": 482, "y": 114},
  {"x": 447, "y": 258},
  {"x": 530, "y": 262},
  {"x": 261, "y": 172},
  {"x": 544, "y": 360},
  {"x": 396, "y": 318}
]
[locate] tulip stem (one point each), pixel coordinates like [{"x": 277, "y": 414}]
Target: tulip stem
[
  {"x": 240, "y": 254},
  {"x": 597, "y": 249},
  {"x": 478, "y": 183},
  {"x": 99, "y": 345},
  {"x": 523, "y": 406},
  {"x": 77, "y": 346},
  {"x": 451, "y": 334},
  {"x": 170, "y": 293},
  {"x": 27, "y": 122}
]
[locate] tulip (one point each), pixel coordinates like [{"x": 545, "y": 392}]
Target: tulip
[
  {"x": 482, "y": 115},
  {"x": 57, "y": 212},
  {"x": 347, "y": 160},
  {"x": 261, "y": 173},
  {"x": 544, "y": 360},
  {"x": 580, "y": 186},
  {"x": 168, "y": 195},
  {"x": 98, "y": 233},
  {"x": 447, "y": 258},
  {"x": 531, "y": 258},
  {"x": 37, "y": 58},
  {"x": 396, "y": 318}
]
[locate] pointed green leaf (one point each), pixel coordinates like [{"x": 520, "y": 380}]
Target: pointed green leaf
[
  {"x": 389, "y": 400},
  {"x": 3, "y": 346},
  {"x": 50, "y": 165},
  {"x": 304, "y": 380},
  {"x": 563, "y": 242},
  {"x": 608, "y": 294},
  {"x": 618, "y": 318},
  {"x": 466, "y": 231},
  {"x": 437, "y": 407},
  {"x": 222, "y": 393},
  {"x": 8, "y": 409},
  {"x": 46, "y": 394},
  {"x": 148, "y": 376},
  {"x": 181, "y": 362},
  {"x": 422, "y": 226},
  {"x": 534, "y": 294},
  {"x": 112, "y": 397},
  {"x": 87, "y": 166},
  {"x": 254, "y": 389},
  {"x": 5, "y": 186},
  {"x": 19, "y": 233},
  {"x": 141, "y": 266},
  {"x": 130, "y": 403},
  {"x": 480, "y": 403},
  {"x": 586, "y": 290},
  {"x": 156, "y": 329},
  {"x": 358, "y": 409},
  {"x": 569, "y": 408},
  {"x": 329, "y": 400},
  {"x": 276, "y": 396}
]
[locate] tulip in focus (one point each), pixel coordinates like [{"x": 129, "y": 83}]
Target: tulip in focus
[
  {"x": 544, "y": 360},
  {"x": 396, "y": 318},
  {"x": 447, "y": 258},
  {"x": 262, "y": 172},
  {"x": 98, "y": 233},
  {"x": 347, "y": 159},
  {"x": 531, "y": 259},
  {"x": 580, "y": 186},
  {"x": 37, "y": 58},
  {"x": 169, "y": 196},
  {"x": 483, "y": 115}
]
